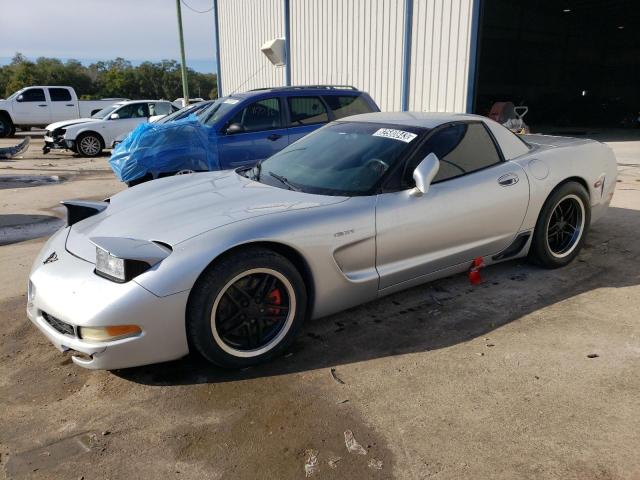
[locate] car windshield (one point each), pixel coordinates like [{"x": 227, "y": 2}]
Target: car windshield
[
  {"x": 105, "y": 112},
  {"x": 342, "y": 158},
  {"x": 220, "y": 107}
]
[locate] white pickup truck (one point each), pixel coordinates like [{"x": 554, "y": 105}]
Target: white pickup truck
[{"x": 38, "y": 106}]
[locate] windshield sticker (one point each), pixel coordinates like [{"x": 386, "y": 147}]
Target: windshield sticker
[
  {"x": 230, "y": 101},
  {"x": 401, "y": 135}
]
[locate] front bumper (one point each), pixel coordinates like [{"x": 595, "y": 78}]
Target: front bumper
[
  {"x": 68, "y": 291},
  {"x": 56, "y": 143}
]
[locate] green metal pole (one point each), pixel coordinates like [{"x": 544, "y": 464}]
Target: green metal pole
[{"x": 185, "y": 84}]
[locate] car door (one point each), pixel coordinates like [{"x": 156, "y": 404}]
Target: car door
[
  {"x": 474, "y": 207},
  {"x": 31, "y": 107},
  {"x": 63, "y": 106},
  {"x": 129, "y": 117},
  {"x": 306, "y": 114},
  {"x": 260, "y": 133}
]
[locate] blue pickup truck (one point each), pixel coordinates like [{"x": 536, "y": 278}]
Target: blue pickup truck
[{"x": 235, "y": 131}]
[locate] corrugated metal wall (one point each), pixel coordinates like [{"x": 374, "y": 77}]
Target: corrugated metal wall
[
  {"x": 244, "y": 26},
  {"x": 441, "y": 36},
  {"x": 353, "y": 42}
]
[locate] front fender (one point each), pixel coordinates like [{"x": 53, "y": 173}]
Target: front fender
[
  {"x": 74, "y": 131},
  {"x": 5, "y": 110},
  {"x": 336, "y": 241}
]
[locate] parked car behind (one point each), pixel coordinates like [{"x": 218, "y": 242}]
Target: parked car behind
[
  {"x": 234, "y": 131},
  {"x": 89, "y": 136},
  {"x": 40, "y": 105}
]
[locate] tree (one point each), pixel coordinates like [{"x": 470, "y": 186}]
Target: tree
[{"x": 113, "y": 78}]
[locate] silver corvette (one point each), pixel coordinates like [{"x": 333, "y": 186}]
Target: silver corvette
[{"x": 230, "y": 264}]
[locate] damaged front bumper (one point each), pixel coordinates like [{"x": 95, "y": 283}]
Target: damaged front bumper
[
  {"x": 65, "y": 295},
  {"x": 10, "y": 152},
  {"x": 55, "y": 141}
]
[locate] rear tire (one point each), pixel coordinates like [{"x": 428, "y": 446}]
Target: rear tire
[
  {"x": 246, "y": 309},
  {"x": 89, "y": 144},
  {"x": 562, "y": 226}
]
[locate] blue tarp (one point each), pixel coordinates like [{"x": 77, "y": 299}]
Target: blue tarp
[{"x": 168, "y": 147}]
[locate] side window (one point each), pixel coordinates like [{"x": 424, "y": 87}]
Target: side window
[
  {"x": 461, "y": 148},
  {"x": 33, "y": 95},
  {"x": 133, "y": 110},
  {"x": 59, "y": 95},
  {"x": 160, "y": 108},
  {"x": 307, "y": 111},
  {"x": 344, "y": 106},
  {"x": 261, "y": 115}
]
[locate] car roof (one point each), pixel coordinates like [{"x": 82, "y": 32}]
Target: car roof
[
  {"x": 413, "y": 119},
  {"x": 129, "y": 102},
  {"x": 316, "y": 89}
]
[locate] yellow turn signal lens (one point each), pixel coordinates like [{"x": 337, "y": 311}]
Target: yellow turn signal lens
[{"x": 105, "y": 334}]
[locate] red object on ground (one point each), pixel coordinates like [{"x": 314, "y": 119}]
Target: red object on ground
[{"x": 474, "y": 271}]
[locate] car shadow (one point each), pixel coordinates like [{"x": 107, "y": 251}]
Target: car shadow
[{"x": 436, "y": 315}]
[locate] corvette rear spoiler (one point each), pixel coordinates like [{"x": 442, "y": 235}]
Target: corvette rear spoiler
[
  {"x": 80, "y": 209},
  {"x": 10, "y": 152}
]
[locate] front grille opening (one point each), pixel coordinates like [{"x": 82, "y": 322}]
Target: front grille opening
[{"x": 59, "y": 325}]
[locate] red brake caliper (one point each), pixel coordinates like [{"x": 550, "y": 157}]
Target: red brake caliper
[{"x": 275, "y": 298}]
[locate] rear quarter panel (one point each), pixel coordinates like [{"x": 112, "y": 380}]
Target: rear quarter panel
[{"x": 553, "y": 160}]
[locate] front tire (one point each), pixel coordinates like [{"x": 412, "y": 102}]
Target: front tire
[
  {"x": 89, "y": 145},
  {"x": 246, "y": 309},
  {"x": 562, "y": 226},
  {"x": 7, "y": 129}
]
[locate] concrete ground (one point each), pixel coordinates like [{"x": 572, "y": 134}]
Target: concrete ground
[{"x": 531, "y": 375}]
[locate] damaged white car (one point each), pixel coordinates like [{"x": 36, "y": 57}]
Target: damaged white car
[{"x": 89, "y": 136}]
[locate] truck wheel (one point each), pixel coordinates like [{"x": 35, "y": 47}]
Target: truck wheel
[
  {"x": 7, "y": 128},
  {"x": 89, "y": 144}
]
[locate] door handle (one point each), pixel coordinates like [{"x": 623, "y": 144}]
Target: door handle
[
  {"x": 274, "y": 136},
  {"x": 508, "y": 179},
  {"x": 42, "y": 105},
  {"x": 70, "y": 105}
]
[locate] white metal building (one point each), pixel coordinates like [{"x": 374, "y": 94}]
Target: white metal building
[
  {"x": 572, "y": 62},
  {"x": 419, "y": 51}
]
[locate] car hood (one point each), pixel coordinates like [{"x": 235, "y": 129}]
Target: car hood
[
  {"x": 174, "y": 209},
  {"x": 68, "y": 123}
]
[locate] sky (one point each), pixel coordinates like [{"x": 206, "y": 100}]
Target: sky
[{"x": 91, "y": 30}]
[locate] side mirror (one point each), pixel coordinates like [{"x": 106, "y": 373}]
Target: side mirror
[
  {"x": 234, "y": 128},
  {"x": 425, "y": 173},
  {"x": 20, "y": 98},
  {"x": 114, "y": 116}
]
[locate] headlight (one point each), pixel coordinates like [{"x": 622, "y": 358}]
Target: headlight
[
  {"x": 121, "y": 259},
  {"x": 118, "y": 269},
  {"x": 106, "y": 334}
]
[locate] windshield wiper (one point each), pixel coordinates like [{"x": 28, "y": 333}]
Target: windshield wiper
[{"x": 284, "y": 181}]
